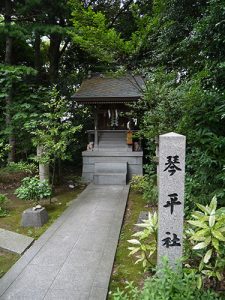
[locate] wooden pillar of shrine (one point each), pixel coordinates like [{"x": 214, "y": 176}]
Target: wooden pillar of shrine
[{"x": 96, "y": 127}]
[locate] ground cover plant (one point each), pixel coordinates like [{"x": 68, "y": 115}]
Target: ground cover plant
[
  {"x": 3, "y": 203},
  {"x": 146, "y": 185},
  {"x": 12, "y": 173},
  {"x": 206, "y": 236},
  {"x": 33, "y": 189},
  {"x": 144, "y": 242},
  {"x": 167, "y": 284},
  {"x": 203, "y": 261},
  {"x": 124, "y": 267}
]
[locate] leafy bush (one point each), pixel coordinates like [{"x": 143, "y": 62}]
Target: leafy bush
[
  {"x": 207, "y": 240},
  {"x": 190, "y": 106},
  {"x": 147, "y": 186},
  {"x": 33, "y": 189},
  {"x": 4, "y": 148},
  {"x": 167, "y": 284},
  {"x": 3, "y": 201},
  {"x": 145, "y": 244},
  {"x": 204, "y": 243},
  {"x": 21, "y": 166}
]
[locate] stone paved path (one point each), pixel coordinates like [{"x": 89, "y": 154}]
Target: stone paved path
[{"x": 73, "y": 259}]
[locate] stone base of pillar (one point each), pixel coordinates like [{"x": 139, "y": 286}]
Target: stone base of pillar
[{"x": 34, "y": 218}]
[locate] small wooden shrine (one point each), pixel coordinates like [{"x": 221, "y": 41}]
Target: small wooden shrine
[{"x": 112, "y": 155}]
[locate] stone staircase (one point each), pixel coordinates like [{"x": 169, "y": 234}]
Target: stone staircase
[
  {"x": 112, "y": 161},
  {"x": 113, "y": 141},
  {"x": 110, "y": 173}
]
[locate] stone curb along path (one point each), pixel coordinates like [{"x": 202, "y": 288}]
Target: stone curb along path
[{"x": 73, "y": 259}]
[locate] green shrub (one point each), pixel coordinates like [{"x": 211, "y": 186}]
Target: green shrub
[
  {"x": 145, "y": 243},
  {"x": 21, "y": 166},
  {"x": 33, "y": 189},
  {"x": 207, "y": 237},
  {"x": 204, "y": 243},
  {"x": 147, "y": 186},
  {"x": 167, "y": 284},
  {"x": 3, "y": 201}
]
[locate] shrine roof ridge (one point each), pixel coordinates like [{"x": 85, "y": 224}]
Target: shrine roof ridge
[{"x": 110, "y": 89}]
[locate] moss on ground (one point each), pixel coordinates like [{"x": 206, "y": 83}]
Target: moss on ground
[
  {"x": 6, "y": 261},
  {"x": 12, "y": 221},
  {"x": 125, "y": 268}
]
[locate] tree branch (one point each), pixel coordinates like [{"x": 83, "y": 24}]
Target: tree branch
[
  {"x": 119, "y": 13},
  {"x": 64, "y": 47}
]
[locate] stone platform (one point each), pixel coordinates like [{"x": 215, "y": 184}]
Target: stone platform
[{"x": 132, "y": 159}]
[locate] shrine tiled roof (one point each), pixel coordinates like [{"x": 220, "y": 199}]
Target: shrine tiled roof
[{"x": 104, "y": 89}]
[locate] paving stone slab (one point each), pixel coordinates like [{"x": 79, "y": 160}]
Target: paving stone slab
[
  {"x": 14, "y": 242},
  {"x": 73, "y": 259}
]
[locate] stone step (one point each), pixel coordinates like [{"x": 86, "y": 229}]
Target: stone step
[
  {"x": 102, "y": 149},
  {"x": 113, "y": 133},
  {"x": 110, "y": 179},
  {"x": 112, "y": 136},
  {"x": 116, "y": 150},
  {"x": 110, "y": 168},
  {"x": 112, "y": 141},
  {"x": 109, "y": 146},
  {"x": 113, "y": 145}
]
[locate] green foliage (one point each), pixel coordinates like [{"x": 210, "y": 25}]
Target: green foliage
[
  {"x": 91, "y": 32},
  {"x": 138, "y": 183},
  {"x": 144, "y": 243},
  {"x": 54, "y": 129},
  {"x": 186, "y": 106},
  {"x": 124, "y": 267},
  {"x": 204, "y": 243},
  {"x": 21, "y": 166},
  {"x": 206, "y": 237},
  {"x": 33, "y": 189},
  {"x": 181, "y": 52},
  {"x": 16, "y": 82},
  {"x": 3, "y": 202},
  {"x": 146, "y": 185},
  {"x": 167, "y": 284},
  {"x": 4, "y": 148}
]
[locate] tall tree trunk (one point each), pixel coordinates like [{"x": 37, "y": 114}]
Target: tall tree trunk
[
  {"x": 37, "y": 53},
  {"x": 54, "y": 56},
  {"x": 9, "y": 97},
  {"x": 43, "y": 168},
  {"x": 54, "y": 59}
]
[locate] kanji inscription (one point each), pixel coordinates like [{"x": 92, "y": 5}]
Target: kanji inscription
[
  {"x": 171, "y": 172},
  {"x": 172, "y": 164},
  {"x": 172, "y": 202}
]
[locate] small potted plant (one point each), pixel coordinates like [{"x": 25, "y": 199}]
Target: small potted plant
[{"x": 33, "y": 189}]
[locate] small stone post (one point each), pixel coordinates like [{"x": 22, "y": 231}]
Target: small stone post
[{"x": 171, "y": 174}]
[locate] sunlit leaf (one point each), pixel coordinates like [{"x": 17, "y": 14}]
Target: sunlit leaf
[
  {"x": 197, "y": 224},
  {"x": 207, "y": 256},
  {"x": 218, "y": 235},
  {"x": 200, "y": 246},
  {"x": 134, "y": 242}
]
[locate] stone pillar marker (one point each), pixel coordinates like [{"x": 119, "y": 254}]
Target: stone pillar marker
[{"x": 171, "y": 175}]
